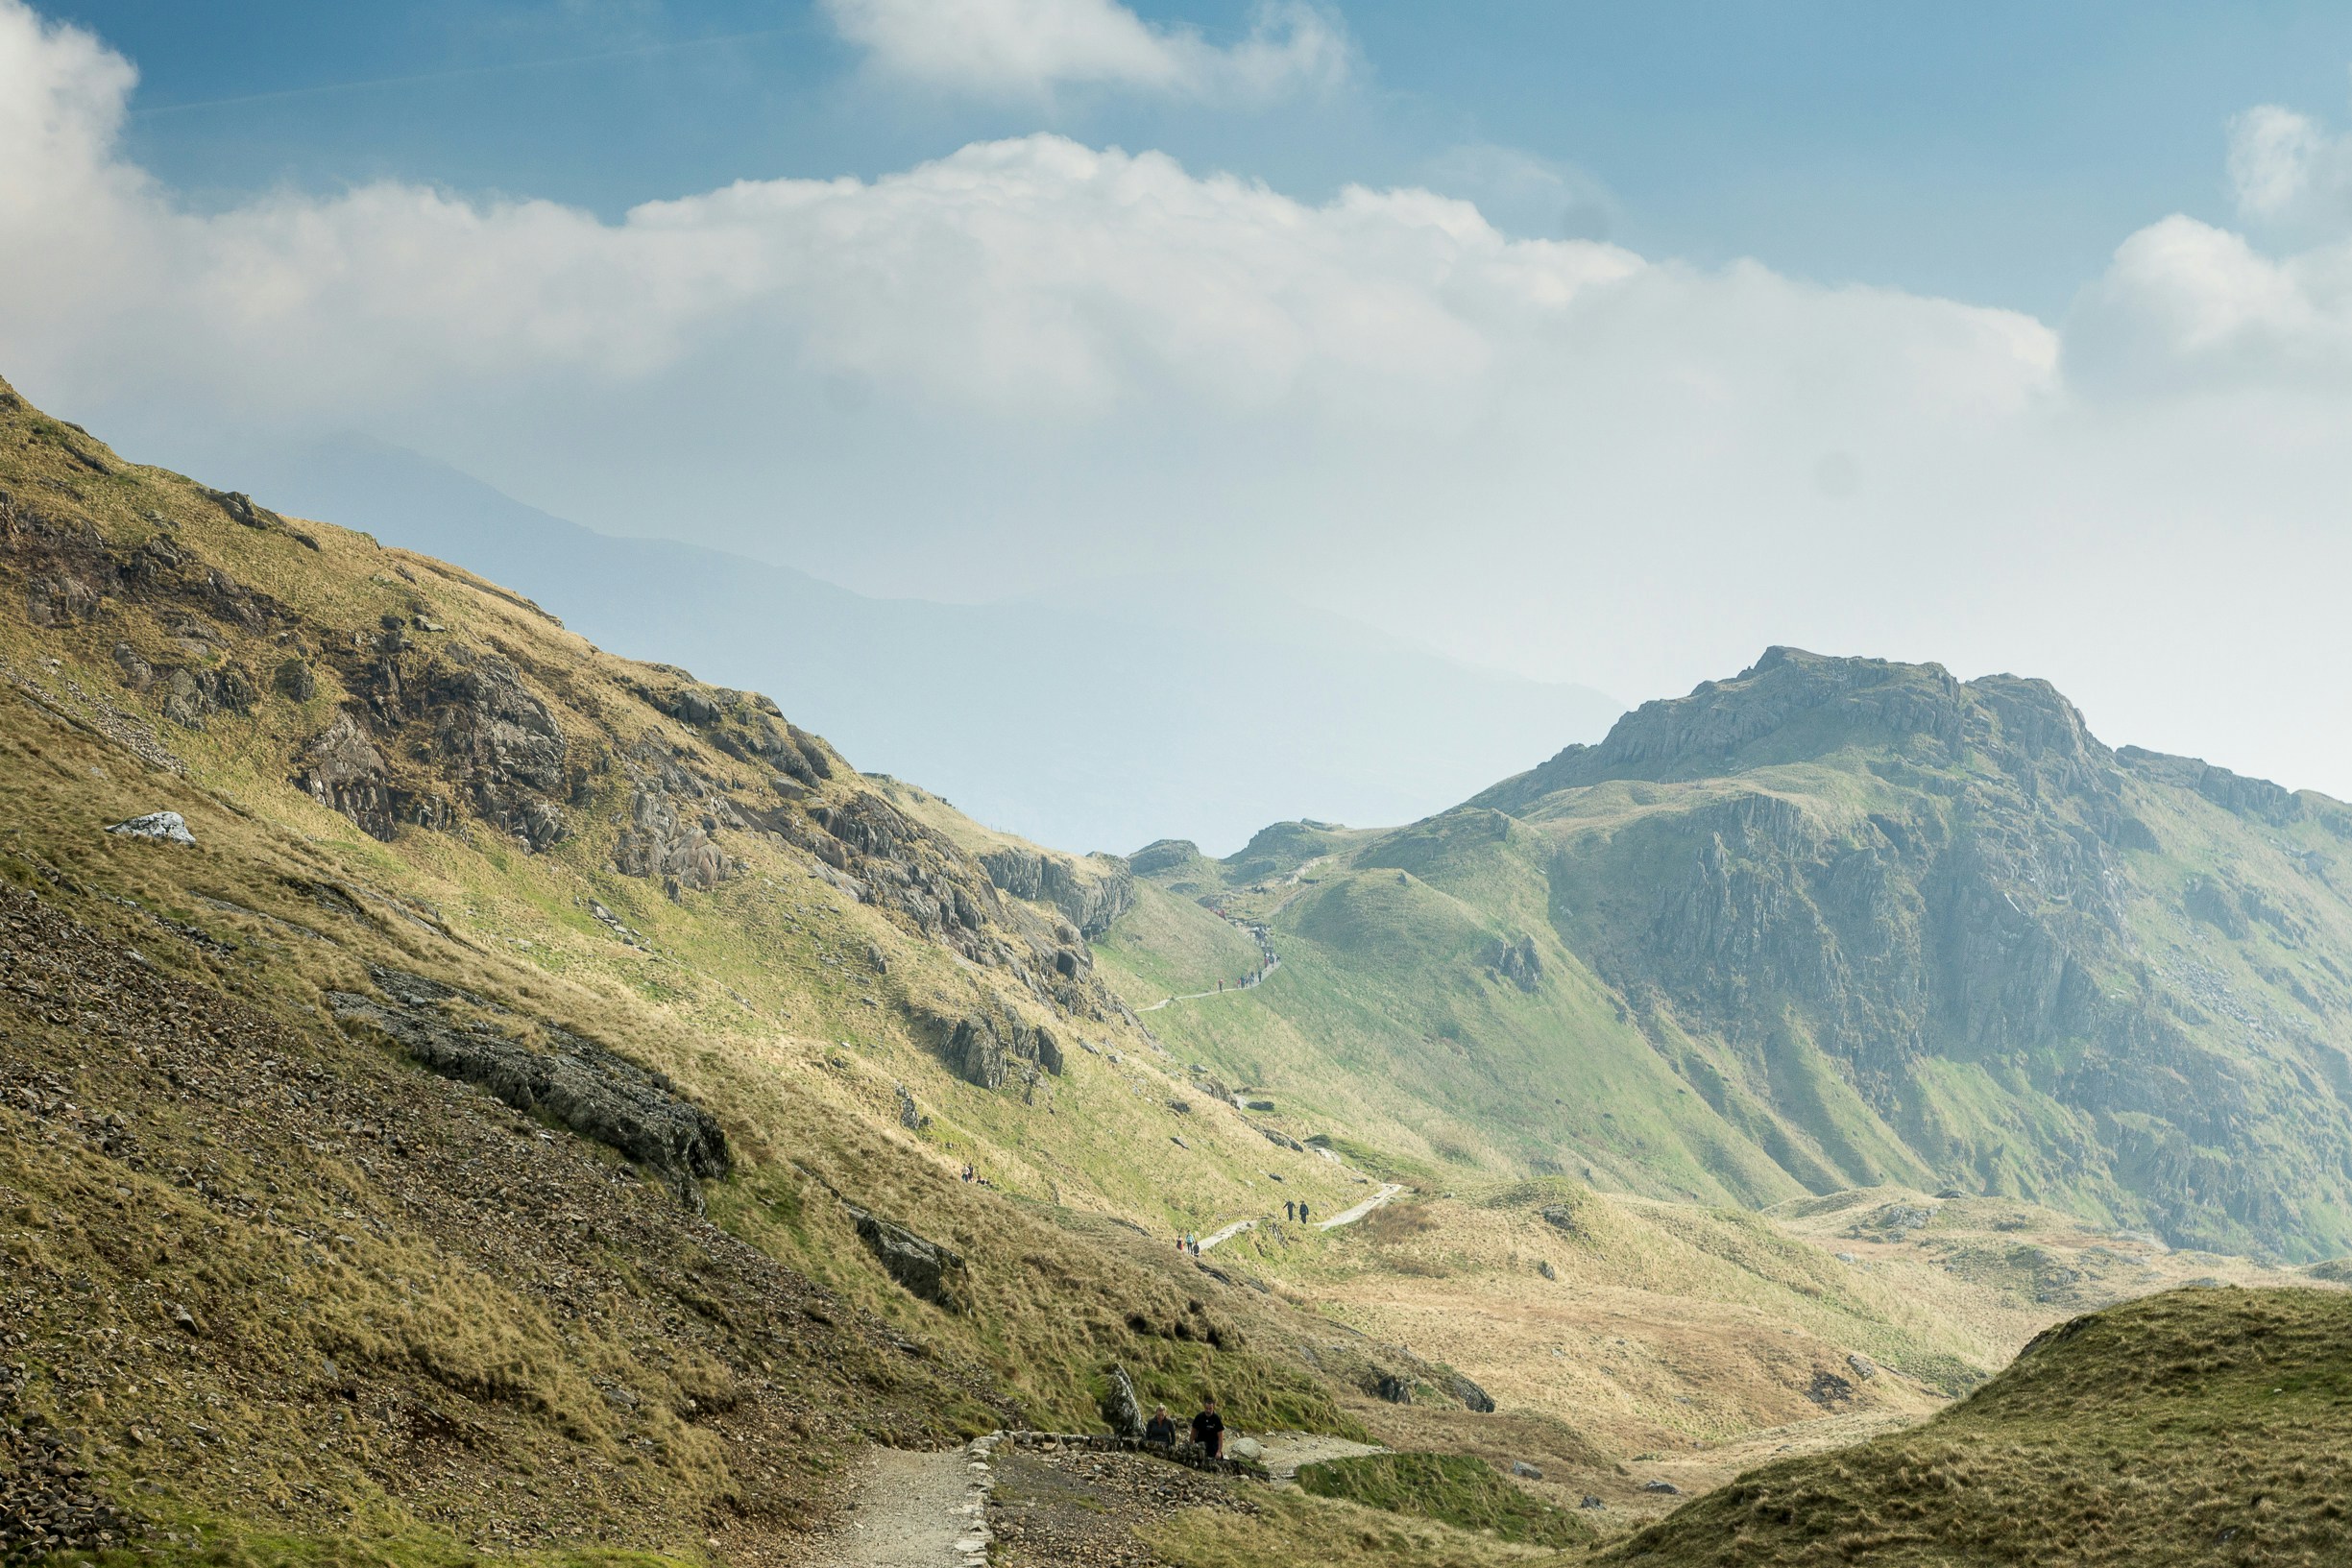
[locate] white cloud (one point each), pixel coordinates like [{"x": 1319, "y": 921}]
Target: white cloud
[
  {"x": 1034, "y": 361},
  {"x": 1025, "y": 48},
  {"x": 2283, "y": 167}
]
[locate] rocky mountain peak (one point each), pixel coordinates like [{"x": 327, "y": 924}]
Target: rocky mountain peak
[{"x": 1792, "y": 706}]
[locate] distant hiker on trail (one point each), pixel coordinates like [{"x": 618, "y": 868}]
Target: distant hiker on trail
[
  {"x": 1209, "y": 1427},
  {"x": 968, "y": 1172},
  {"x": 1161, "y": 1428},
  {"x": 1302, "y": 1214},
  {"x": 1289, "y": 1209},
  {"x": 1196, "y": 1246}
]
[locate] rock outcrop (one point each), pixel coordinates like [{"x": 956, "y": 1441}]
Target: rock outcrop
[
  {"x": 923, "y": 1268},
  {"x": 1090, "y": 894},
  {"x": 997, "y": 1045},
  {"x": 572, "y": 1082},
  {"x": 1122, "y": 1410}
]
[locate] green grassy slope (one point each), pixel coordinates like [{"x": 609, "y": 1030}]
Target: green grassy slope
[
  {"x": 2200, "y": 1426},
  {"x": 388, "y": 765},
  {"x": 1832, "y": 924}
]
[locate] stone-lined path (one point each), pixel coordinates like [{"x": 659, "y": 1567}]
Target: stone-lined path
[{"x": 913, "y": 1511}]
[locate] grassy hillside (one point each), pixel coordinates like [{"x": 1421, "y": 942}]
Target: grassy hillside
[
  {"x": 495, "y": 1082},
  {"x": 2200, "y": 1426},
  {"x": 526, "y": 1109},
  {"x": 1835, "y": 923}
]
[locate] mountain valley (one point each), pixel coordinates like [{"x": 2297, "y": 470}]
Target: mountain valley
[{"x": 465, "y": 1095}]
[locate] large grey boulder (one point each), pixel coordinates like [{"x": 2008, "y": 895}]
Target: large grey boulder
[
  {"x": 923, "y": 1268},
  {"x": 163, "y": 827},
  {"x": 1122, "y": 1410}
]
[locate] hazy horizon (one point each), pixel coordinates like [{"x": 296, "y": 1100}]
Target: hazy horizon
[{"x": 1777, "y": 339}]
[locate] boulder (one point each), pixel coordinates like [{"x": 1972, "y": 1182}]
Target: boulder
[
  {"x": 922, "y": 1268},
  {"x": 1248, "y": 1450},
  {"x": 1122, "y": 1410},
  {"x": 1525, "y": 1471},
  {"x": 1473, "y": 1396},
  {"x": 163, "y": 827}
]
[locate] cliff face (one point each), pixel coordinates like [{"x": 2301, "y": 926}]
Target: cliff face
[
  {"x": 2041, "y": 965},
  {"x": 1842, "y": 921}
]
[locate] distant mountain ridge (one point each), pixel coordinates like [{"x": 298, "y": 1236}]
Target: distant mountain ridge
[
  {"x": 1092, "y": 719},
  {"x": 1878, "y": 924}
]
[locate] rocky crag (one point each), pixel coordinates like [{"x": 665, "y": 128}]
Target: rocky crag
[{"x": 1875, "y": 922}]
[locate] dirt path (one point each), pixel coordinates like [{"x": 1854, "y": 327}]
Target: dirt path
[
  {"x": 913, "y": 1511},
  {"x": 1388, "y": 1191},
  {"x": 1241, "y": 990},
  {"x": 1219, "y": 1239},
  {"x": 1287, "y": 1451}
]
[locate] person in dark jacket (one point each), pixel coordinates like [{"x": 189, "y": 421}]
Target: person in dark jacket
[
  {"x": 1161, "y": 1428},
  {"x": 1209, "y": 1429}
]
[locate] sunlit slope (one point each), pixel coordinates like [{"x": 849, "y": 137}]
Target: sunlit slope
[
  {"x": 2200, "y": 1426},
  {"x": 601, "y": 903},
  {"x": 1382, "y": 1023},
  {"x": 1832, "y": 924}
]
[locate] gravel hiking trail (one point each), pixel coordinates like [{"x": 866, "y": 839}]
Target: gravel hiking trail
[
  {"x": 1287, "y": 1451},
  {"x": 1388, "y": 1191},
  {"x": 912, "y": 1511}
]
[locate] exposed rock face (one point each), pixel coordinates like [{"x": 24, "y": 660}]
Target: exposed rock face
[
  {"x": 1472, "y": 1395},
  {"x": 2256, "y": 798},
  {"x": 924, "y": 1267},
  {"x": 495, "y": 740},
  {"x": 1090, "y": 894},
  {"x": 997, "y": 1046},
  {"x": 342, "y": 770},
  {"x": 1962, "y": 907},
  {"x": 583, "y": 1085},
  {"x": 1517, "y": 962}
]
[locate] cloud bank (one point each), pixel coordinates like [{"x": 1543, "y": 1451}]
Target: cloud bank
[
  {"x": 1034, "y": 362},
  {"x": 1026, "y": 48}
]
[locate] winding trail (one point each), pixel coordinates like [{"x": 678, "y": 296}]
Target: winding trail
[
  {"x": 1201, "y": 996},
  {"x": 1388, "y": 1191},
  {"x": 1221, "y": 1238},
  {"x": 913, "y": 1511},
  {"x": 1349, "y": 1217}
]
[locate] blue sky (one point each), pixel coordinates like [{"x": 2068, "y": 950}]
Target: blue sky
[
  {"x": 1993, "y": 151},
  {"x": 1596, "y": 344}
]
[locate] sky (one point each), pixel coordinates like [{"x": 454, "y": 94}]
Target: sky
[{"x": 1603, "y": 343}]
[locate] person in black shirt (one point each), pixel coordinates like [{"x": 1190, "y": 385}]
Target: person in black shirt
[
  {"x": 1161, "y": 1428},
  {"x": 1209, "y": 1427}
]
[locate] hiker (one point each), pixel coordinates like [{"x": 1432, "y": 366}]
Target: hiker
[
  {"x": 1209, "y": 1429},
  {"x": 1289, "y": 1209},
  {"x": 967, "y": 1172},
  {"x": 1160, "y": 1430},
  {"x": 1196, "y": 1246},
  {"x": 1302, "y": 1214}
]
